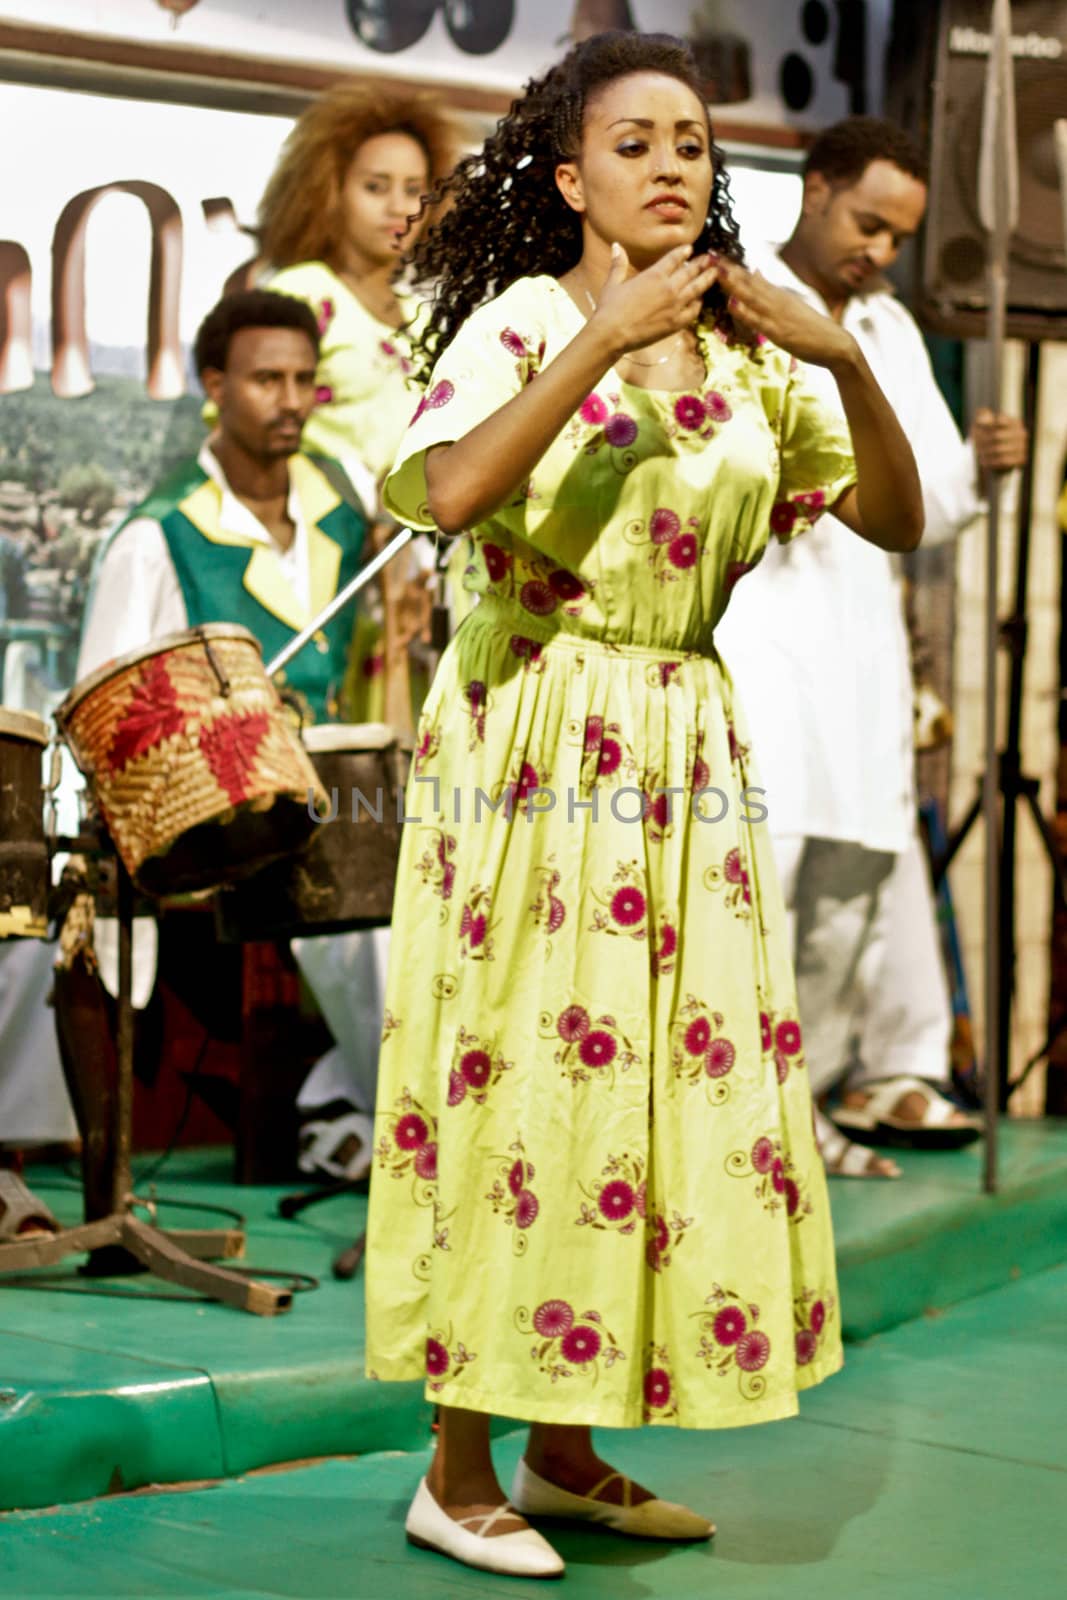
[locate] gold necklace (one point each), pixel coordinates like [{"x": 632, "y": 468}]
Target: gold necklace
[{"x": 629, "y": 356}]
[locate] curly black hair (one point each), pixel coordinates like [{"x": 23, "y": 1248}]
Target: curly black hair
[
  {"x": 249, "y": 308},
  {"x": 506, "y": 219}
]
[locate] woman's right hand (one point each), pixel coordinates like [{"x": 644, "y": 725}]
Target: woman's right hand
[{"x": 637, "y": 308}]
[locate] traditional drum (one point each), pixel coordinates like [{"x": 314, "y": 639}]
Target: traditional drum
[
  {"x": 345, "y": 877},
  {"x": 23, "y": 853},
  {"x": 192, "y": 760}
]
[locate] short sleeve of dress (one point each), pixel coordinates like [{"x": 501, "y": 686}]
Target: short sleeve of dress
[
  {"x": 817, "y": 463},
  {"x": 493, "y": 356}
]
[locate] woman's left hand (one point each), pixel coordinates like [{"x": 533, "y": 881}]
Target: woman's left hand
[{"x": 783, "y": 317}]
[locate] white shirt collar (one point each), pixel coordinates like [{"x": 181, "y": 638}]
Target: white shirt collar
[
  {"x": 861, "y": 308},
  {"x": 234, "y": 515}
]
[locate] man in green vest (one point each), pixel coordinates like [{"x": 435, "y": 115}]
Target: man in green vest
[{"x": 252, "y": 530}]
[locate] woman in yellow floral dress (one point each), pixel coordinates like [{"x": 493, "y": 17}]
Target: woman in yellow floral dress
[
  {"x": 334, "y": 220},
  {"x": 596, "y": 1196}
]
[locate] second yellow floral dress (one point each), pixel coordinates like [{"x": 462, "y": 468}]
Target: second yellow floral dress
[{"x": 596, "y": 1195}]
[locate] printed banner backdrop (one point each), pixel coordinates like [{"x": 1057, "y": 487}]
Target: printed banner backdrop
[
  {"x": 777, "y": 62},
  {"x": 96, "y": 400}
]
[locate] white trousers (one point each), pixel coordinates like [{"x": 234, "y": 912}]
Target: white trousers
[
  {"x": 871, "y": 987},
  {"x": 346, "y": 974},
  {"x": 34, "y": 1105}
]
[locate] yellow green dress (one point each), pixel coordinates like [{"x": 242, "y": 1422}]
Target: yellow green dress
[
  {"x": 365, "y": 400},
  {"x": 596, "y": 1195}
]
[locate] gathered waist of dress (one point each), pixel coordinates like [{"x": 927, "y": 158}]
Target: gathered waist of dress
[{"x": 501, "y": 616}]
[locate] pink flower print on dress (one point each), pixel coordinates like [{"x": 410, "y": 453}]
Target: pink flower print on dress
[
  {"x": 537, "y": 598},
  {"x": 689, "y": 412},
  {"x": 806, "y": 1346},
  {"x": 497, "y": 561},
  {"x": 553, "y": 1318},
  {"x": 323, "y": 394},
  {"x": 732, "y": 880},
  {"x": 446, "y": 1359},
  {"x": 476, "y": 926},
  {"x": 512, "y": 1196},
  {"x": 610, "y": 758},
  {"x": 440, "y": 395},
  {"x": 810, "y": 1315},
  {"x": 615, "y": 1200},
  {"x": 753, "y": 1350},
  {"x": 658, "y": 813},
  {"x": 593, "y": 411},
  {"x": 776, "y": 1186},
  {"x": 624, "y": 904},
  {"x": 566, "y": 586},
  {"x": 514, "y": 343},
  {"x": 663, "y": 525},
  {"x": 568, "y": 1344},
  {"x": 813, "y": 501},
  {"x": 628, "y": 907},
  {"x": 700, "y": 1052},
  {"x": 783, "y": 518},
  {"x": 326, "y": 313},
  {"x": 787, "y": 1037},
  {"x": 717, "y": 406},
  {"x": 477, "y": 1066},
  {"x": 436, "y": 866},
  {"x": 735, "y": 572},
  {"x": 620, "y": 430},
  {"x": 589, "y": 1050},
  {"x": 476, "y": 696},
  {"x": 683, "y": 551},
  {"x": 701, "y": 777},
  {"x": 573, "y": 1024},
  {"x": 598, "y": 1049},
  {"x": 581, "y": 1345},
  {"x": 438, "y": 1360},
  {"x": 529, "y": 651},
  {"x": 731, "y": 1341},
  {"x": 729, "y": 1325},
  {"x": 719, "y": 1058},
  {"x": 782, "y": 1040},
  {"x": 407, "y": 1147},
  {"x": 657, "y": 1388},
  {"x": 663, "y": 1237},
  {"x": 548, "y": 909},
  {"x": 663, "y": 956}
]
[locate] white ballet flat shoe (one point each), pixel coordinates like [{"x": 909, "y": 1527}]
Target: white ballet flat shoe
[
  {"x": 518, "y": 1555},
  {"x": 652, "y": 1519}
]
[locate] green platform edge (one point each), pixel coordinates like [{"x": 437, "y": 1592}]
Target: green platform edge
[{"x": 104, "y": 1394}]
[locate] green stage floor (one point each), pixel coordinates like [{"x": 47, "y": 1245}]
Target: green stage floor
[
  {"x": 933, "y": 1468},
  {"x": 101, "y": 1394}
]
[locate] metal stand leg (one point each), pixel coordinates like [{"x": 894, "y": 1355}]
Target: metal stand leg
[{"x": 172, "y": 1256}]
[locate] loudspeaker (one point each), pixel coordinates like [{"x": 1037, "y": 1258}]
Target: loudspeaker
[{"x": 935, "y": 84}]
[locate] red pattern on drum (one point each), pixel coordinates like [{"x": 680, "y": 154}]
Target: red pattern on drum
[
  {"x": 230, "y": 745},
  {"x": 152, "y": 715}
]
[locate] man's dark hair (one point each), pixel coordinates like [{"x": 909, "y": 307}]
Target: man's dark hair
[
  {"x": 843, "y": 152},
  {"x": 249, "y": 308}
]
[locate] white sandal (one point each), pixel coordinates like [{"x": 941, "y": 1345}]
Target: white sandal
[
  {"x": 653, "y": 1519},
  {"x": 523, "y": 1554},
  {"x": 843, "y": 1159},
  {"x": 943, "y": 1125}
]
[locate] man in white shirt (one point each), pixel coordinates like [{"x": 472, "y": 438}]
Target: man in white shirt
[
  {"x": 257, "y": 533},
  {"x": 816, "y": 641}
]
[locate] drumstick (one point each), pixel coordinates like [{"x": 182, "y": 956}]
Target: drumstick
[{"x": 340, "y": 600}]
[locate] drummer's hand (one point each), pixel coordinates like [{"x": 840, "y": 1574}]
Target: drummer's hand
[
  {"x": 783, "y": 317},
  {"x": 413, "y": 609},
  {"x": 1000, "y": 441}
]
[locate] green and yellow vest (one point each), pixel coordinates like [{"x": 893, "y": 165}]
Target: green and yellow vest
[{"x": 225, "y": 577}]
